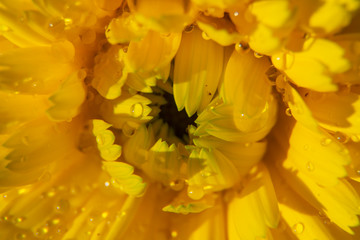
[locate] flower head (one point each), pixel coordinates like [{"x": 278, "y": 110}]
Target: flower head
[{"x": 182, "y": 119}]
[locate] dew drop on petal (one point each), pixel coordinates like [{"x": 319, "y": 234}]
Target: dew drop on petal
[
  {"x": 20, "y": 236},
  {"x": 137, "y": 110},
  {"x": 288, "y": 112},
  {"x": 326, "y": 221},
  {"x": 63, "y": 205},
  {"x": 258, "y": 55},
  {"x": 68, "y": 21},
  {"x": 195, "y": 192},
  {"x": 310, "y": 166},
  {"x": 236, "y": 14},
  {"x": 242, "y": 46},
  {"x": 4, "y": 28},
  {"x": 107, "y": 183},
  {"x": 341, "y": 137},
  {"x": 272, "y": 73},
  {"x": 189, "y": 29},
  {"x": 125, "y": 49},
  {"x": 326, "y": 141},
  {"x": 205, "y": 36},
  {"x": 104, "y": 214},
  {"x": 174, "y": 234},
  {"x": 177, "y": 185},
  {"x": 298, "y": 228},
  {"x": 19, "y": 220}
]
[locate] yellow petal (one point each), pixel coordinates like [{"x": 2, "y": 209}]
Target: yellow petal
[
  {"x": 163, "y": 16},
  {"x": 37, "y": 70},
  {"x": 124, "y": 178},
  {"x": 109, "y": 75},
  {"x": 124, "y": 29},
  {"x": 200, "y": 225},
  {"x": 209, "y": 171},
  {"x": 322, "y": 59},
  {"x": 254, "y": 105},
  {"x": 307, "y": 151},
  {"x": 31, "y": 107},
  {"x": 333, "y": 12},
  {"x": 303, "y": 220},
  {"x": 222, "y": 31},
  {"x": 337, "y": 112},
  {"x": 264, "y": 41},
  {"x": 68, "y": 99},
  {"x": 258, "y": 207},
  {"x": 185, "y": 205},
  {"x": 273, "y": 14},
  {"x": 243, "y": 155},
  {"x": 105, "y": 139},
  {"x": 157, "y": 50},
  {"x": 195, "y": 81}
]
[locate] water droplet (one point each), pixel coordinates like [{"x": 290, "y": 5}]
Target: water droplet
[
  {"x": 19, "y": 220},
  {"x": 310, "y": 166},
  {"x": 284, "y": 61},
  {"x": 205, "y": 36},
  {"x": 55, "y": 221},
  {"x": 107, "y": 183},
  {"x": 327, "y": 221},
  {"x": 355, "y": 138},
  {"x": 127, "y": 130},
  {"x": 51, "y": 193},
  {"x": 174, "y": 234},
  {"x": 236, "y": 14},
  {"x": 63, "y": 205},
  {"x": 104, "y": 214},
  {"x": 298, "y": 228},
  {"x": 288, "y": 112},
  {"x": 4, "y": 28},
  {"x": 189, "y": 29},
  {"x": 326, "y": 141},
  {"x": 68, "y": 21},
  {"x": 125, "y": 49},
  {"x": 195, "y": 192},
  {"x": 137, "y": 110},
  {"x": 272, "y": 73},
  {"x": 241, "y": 47},
  {"x": 258, "y": 55},
  {"x": 20, "y": 236},
  {"x": 247, "y": 144},
  {"x": 42, "y": 231},
  {"x": 358, "y": 172},
  {"x": 177, "y": 185}
]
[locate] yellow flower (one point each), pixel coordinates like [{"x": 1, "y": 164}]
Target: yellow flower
[{"x": 181, "y": 119}]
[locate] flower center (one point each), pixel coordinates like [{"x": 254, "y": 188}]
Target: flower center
[{"x": 179, "y": 121}]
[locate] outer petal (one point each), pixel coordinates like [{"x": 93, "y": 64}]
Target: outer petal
[
  {"x": 257, "y": 205},
  {"x": 195, "y": 81}
]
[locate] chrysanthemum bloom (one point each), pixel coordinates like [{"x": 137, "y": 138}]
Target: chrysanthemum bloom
[{"x": 180, "y": 119}]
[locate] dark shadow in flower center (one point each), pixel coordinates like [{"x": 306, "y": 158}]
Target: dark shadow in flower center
[{"x": 179, "y": 121}]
